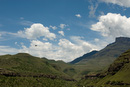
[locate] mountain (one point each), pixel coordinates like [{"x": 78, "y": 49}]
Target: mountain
[
  {"x": 26, "y": 65},
  {"x": 23, "y": 69},
  {"x": 107, "y": 55},
  {"x": 117, "y": 74},
  {"x": 85, "y": 56},
  {"x": 23, "y": 62}
]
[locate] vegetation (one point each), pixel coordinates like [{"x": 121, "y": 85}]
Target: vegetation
[
  {"x": 34, "y": 82},
  {"x": 117, "y": 74},
  {"x": 25, "y": 69}
]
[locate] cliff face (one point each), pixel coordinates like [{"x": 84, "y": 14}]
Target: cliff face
[
  {"x": 119, "y": 63},
  {"x": 122, "y": 40}
]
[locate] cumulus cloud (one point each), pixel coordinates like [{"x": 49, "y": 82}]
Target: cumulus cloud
[
  {"x": 7, "y": 50},
  {"x": 65, "y": 50},
  {"x": 37, "y": 30},
  {"x": 61, "y": 32},
  {"x": 125, "y": 3},
  {"x": 62, "y": 26},
  {"x": 78, "y": 15},
  {"x": 37, "y": 48},
  {"x": 112, "y": 25},
  {"x": 73, "y": 50},
  {"x": 86, "y": 45}
]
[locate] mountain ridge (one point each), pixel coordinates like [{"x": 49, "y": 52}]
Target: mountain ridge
[{"x": 107, "y": 55}]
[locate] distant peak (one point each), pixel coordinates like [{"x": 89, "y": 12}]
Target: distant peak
[{"x": 122, "y": 39}]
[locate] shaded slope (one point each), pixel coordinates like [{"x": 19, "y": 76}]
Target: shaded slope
[{"x": 85, "y": 56}]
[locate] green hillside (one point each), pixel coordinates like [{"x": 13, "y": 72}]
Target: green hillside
[
  {"x": 117, "y": 75},
  {"x": 67, "y": 68},
  {"x": 25, "y": 63},
  {"x": 24, "y": 70}
]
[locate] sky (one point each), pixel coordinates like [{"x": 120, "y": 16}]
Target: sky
[{"x": 61, "y": 29}]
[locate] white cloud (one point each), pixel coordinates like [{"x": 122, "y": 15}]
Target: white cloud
[
  {"x": 71, "y": 50},
  {"x": 78, "y": 15},
  {"x": 61, "y": 32},
  {"x": 93, "y": 7},
  {"x": 40, "y": 49},
  {"x": 125, "y": 3},
  {"x": 62, "y": 26},
  {"x": 65, "y": 50},
  {"x": 37, "y": 30},
  {"x": 112, "y": 26},
  {"x": 53, "y": 27},
  {"x": 7, "y": 50},
  {"x": 86, "y": 45}
]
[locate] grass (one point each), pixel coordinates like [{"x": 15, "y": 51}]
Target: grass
[
  {"x": 34, "y": 82},
  {"x": 117, "y": 74}
]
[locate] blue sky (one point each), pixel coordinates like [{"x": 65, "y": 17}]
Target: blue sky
[{"x": 61, "y": 29}]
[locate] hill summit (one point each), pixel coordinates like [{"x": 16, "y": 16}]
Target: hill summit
[{"x": 122, "y": 40}]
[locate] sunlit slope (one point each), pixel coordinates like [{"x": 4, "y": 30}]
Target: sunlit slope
[{"x": 24, "y": 63}]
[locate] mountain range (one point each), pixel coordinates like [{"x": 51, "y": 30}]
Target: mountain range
[{"x": 103, "y": 58}]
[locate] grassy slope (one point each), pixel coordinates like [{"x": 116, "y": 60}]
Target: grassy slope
[
  {"x": 67, "y": 68},
  {"x": 25, "y": 64},
  {"x": 121, "y": 68},
  {"x": 34, "y": 82},
  {"x": 118, "y": 73}
]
